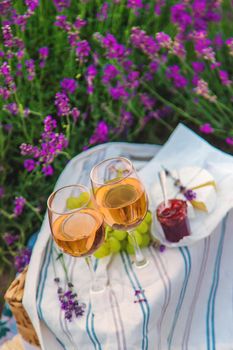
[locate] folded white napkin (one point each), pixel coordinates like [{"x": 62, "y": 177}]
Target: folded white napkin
[{"x": 185, "y": 148}]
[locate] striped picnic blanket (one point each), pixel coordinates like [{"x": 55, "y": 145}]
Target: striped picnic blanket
[{"x": 186, "y": 293}]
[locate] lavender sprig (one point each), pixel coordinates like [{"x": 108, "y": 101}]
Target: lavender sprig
[
  {"x": 189, "y": 194},
  {"x": 69, "y": 301}
]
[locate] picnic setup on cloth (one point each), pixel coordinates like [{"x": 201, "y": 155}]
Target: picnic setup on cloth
[{"x": 181, "y": 299}]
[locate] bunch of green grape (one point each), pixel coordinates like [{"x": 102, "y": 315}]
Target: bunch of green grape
[{"x": 117, "y": 240}]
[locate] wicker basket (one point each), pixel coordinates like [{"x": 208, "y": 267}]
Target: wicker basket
[{"x": 14, "y": 297}]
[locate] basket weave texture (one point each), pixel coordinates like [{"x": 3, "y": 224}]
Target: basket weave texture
[{"x": 14, "y": 297}]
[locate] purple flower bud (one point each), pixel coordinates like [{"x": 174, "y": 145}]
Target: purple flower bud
[
  {"x": 19, "y": 204},
  {"x": 69, "y": 85},
  {"x": 29, "y": 165},
  {"x": 22, "y": 259}
]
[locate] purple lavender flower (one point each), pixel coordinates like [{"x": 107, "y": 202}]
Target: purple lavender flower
[
  {"x": 202, "y": 89},
  {"x": 113, "y": 48},
  {"x": 224, "y": 77},
  {"x": 69, "y": 85},
  {"x": 32, "y": 4},
  {"x": 29, "y": 165},
  {"x": 103, "y": 14},
  {"x": 100, "y": 134},
  {"x": 19, "y": 204},
  {"x": 30, "y": 65},
  {"x": 75, "y": 114},
  {"x": 5, "y": 7},
  {"x": 229, "y": 141},
  {"x": 2, "y": 191},
  {"x": 43, "y": 52},
  {"x": 8, "y": 38},
  {"x": 49, "y": 123},
  {"x": 110, "y": 72},
  {"x": 118, "y": 92},
  {"x": 62, "y": 23},
  {"x": 147, "y": 101},
  {"x": 164, "y": 40},
  {"x": 5, "y": 93},
  {"x": 62, "y": 103},
  {"x": 69, "y": 302},
  {"x": 22, "y": 259},
  {"x": 47, "y": 170},
  {"x": 173, "y": 72},
  {"x": 206, "y": 128},
  {"x": 8, "y": 127},
  {"x": 198, "y": 67},
  {"x": 180, "y": 17},
  {"x": 10, "y": 239},
  {"x": 144, "y": 42},
  {"x": 159, "y": 4},
  {"x": 126, "y": 120},
  {"x": 12, "y": 108},
  {"x": 135, "y": 4},
  {"x": 133, "y": 80},
  {"x": 190, "y": 195},
  {"x": 162, "y": 248},
  {"x": 83, "y": 50},
  {"x": 61, "y": 4},
  {"x": 29, "y": 150},
  {"x": 218, "y": 41},
  {"x": 178, "y": 48},
  {"x": 79, "y": 23}
]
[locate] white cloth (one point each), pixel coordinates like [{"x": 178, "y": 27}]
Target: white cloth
[{"x": 187, "y": 291}]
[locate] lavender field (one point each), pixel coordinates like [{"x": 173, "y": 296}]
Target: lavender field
[{"x": 74, "y": 74}]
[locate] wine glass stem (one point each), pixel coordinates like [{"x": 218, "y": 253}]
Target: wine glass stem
[
  {"x": 95, "y": 286},
  {"x": 140, "y": 259}
]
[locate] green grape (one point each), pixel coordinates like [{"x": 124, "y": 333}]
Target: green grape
[
  {"x": 73, "y": 203},
  {"x": 143, "y": 228},
  {"x": 120, "y": 235},
  {"x": 103, "y": 251},
  {"x": 108, "y": 231},
  {"x": 137, "y": 236},
  {"x": 148, "y": 217},
  {"x": 145, "y": 240},
  {"x": 130, "y": 249},
  {"x": 124, "y": 244},
  {"x": 114, "y": 245},
  {"x": 84, "y": 198}
]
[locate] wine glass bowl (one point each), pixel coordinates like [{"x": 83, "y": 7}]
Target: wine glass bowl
[
  {"x": 121, "y": 198},
  {"x": 77, "y": 229},
  {"x": 119, "y": 194}
]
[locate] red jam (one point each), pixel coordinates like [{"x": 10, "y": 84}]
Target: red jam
[{"x": 174, "y": 219}]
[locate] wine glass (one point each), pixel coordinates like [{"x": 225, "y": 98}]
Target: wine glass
[
  {"x": 121, "y": 197},
  {"x": 77, "y": 229}
]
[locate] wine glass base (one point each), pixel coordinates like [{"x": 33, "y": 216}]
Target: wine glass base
[
  {"x": 141, "y": 264},
  {"x": 97, "y": 289}
]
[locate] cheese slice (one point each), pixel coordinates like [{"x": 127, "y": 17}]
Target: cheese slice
[{"x": 203, "y": 184}]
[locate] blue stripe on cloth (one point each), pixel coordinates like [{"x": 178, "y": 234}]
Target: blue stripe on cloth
[
  {"x": 144, "y": 303},
  {"x": 141, "y": 305},
  {"x": 92, "y": 335},
  {"x": 187, "y": 263},
  {"x": 44, "y": 270},
  {"x": 211, "y": 301}
]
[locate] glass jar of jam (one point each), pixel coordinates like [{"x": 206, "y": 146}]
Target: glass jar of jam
[{"x": 174, "y": 219}]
